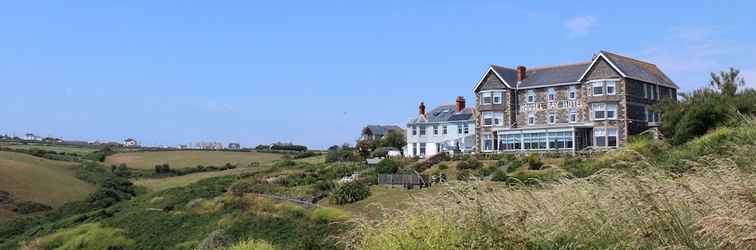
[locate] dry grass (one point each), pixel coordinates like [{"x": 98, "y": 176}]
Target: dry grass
[
  {"x": 184, "y": 180},
  {"x": 36, "y": 179},
  {"x": 713, "y": 208},
  {"x": 183, "y": 159}
]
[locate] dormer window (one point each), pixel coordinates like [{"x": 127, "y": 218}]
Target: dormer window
[
  {"x": 531, "y": 96},
  {"x": 552, "y": 94}
]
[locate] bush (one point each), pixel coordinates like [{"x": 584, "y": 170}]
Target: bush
[
  {"x": 387, "y": 166},
  {"x": 350, "y": 192},
  {"x": 443, "y": 166},
  {"x": 472, "y": 164},
  {"x": 325, "y": 186},
  {"x": 327, "y": 214},
  {"x": 215, "y": 240},
  {"x": 486, "y": 171},
  {"x": 86, "y": 237},
  {"x": 30, "y": 207},
  {"x": 251, "y": 245},
  {"x": 463, "y": 175},
  {"x": 163, "y": 169},
  {"x": 500, "y": 176},
  {"x": 534, "y": 161}
]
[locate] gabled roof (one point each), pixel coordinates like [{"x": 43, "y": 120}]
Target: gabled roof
[
  {"x": 381, "y": 130},
  {"x": 568, "y": 73},
  {"x": 506, "y": 75},
  {"x": 445, "y": 113},
  {"x": 639, "y": 70}
]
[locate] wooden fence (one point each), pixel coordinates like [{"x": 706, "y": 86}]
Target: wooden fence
[{"x": 405, "y": 180}]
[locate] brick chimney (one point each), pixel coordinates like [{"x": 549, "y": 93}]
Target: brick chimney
[
  {"x": 460, "y": 103},
  {"x": 421, "y": 109},
  {"x": 520, "y": 73}
]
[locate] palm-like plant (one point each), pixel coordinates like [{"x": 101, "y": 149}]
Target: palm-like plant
[{"x": 727, "y": 82}]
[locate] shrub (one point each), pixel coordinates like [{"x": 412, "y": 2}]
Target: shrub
[
  {"x": 387, "y": 166},
  {"x": 251, "y": 245},
  {"x": 325, "y": 186},
  {"x": 443, "y": 166},
  {"x": 486, "y": 171},
  {"x": 500, "y": 176},
  {"x": 534, "y": 161},
  {"x": 463, "y": 175},
  {"x": 86, "y": 237},
  {"x": 163, "y": 168},
  {"x": 327, "y": 214},
  {"x": 350, "y": 192},
  {"x": 120, "y": 170},
  {"x": 30, "y": 207},
  {"x": 215, "y": 240},
  {"x": 471, "y": 163}
]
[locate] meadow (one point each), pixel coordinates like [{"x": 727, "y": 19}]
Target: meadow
[
  {"x": 189, "y": 158},
  {"x": 48, "y": 147},
  {"x": 49, "y": 182}
]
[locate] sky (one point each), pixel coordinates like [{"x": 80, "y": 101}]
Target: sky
[{"x": 315, "y": 72}]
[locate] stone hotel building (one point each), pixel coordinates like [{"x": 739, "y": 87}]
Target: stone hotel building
[{"x": 597, "y": 103}]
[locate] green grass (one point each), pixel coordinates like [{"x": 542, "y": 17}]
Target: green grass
[
  {"x": 56, "y": 148},
  {"x": 156, "y": 184},
  {"x": 385, "y": 199},
  {"x": 40, "y": 180},
  {"x": 184, "y": 159}
]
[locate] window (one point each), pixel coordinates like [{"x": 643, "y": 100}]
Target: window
[
  {"x": 487, "y": 119},
  {"x": 459, "y": 129},
  {"x": 498, "y": 118},
  {"x": 552, "y": 94},
  {"x": 414, "y": 130},
  {"x": 598, "y": 88},
  {"x": 573, "y": 92},
  {"x": 487, "y": 142},
  {"x": 467, "y": 128},
  {"x": 510, "y": 142},
  {"x": 645, "y": 91},
  {"x": 611, "y": 88},
  {"x": 560, "y": 140},
  {"x": 645, "y": 114},
  {"x": 611, "y": 137},
  {"x": 531, "y": 96},
  {"x": 497, "y": 98},
  {"x": 422, "y": 149},
  {"x": 656, "y": 117},
  {"x": 422, "y": 129},
  {"x": 485, "y": 98},
  {"x": 531, "y": 119},
  {"x": 444, "y": 129},
  {"x": 598, "y": 111},
  {"x": 611, "y": 111},
  {"x": 435, "y": 129},
  {"x": 599, "y": 135},
  {"x": 534, "y": 140},
  {"x": 552, "y": 118},
  {"x": 573, "y": 116},
  {"x": 414, "y": 149}
]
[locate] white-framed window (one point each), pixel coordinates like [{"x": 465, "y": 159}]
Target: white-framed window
[
  {"x": 497, "y": 98},
  {"x": 422, "y": 149},
  {"x": 598, "y": 111},
  {"x": 531, "y": 96},
  {"x": 645, "y": 91},
  {"x": 435, "y": 129},
  {"x": 611, "y": 88},
  {"x": 611, "y": 137},
  {"x": 414, "y": 149},
  {"x": 599, "y": 136},
  {"x": 414, "y": 130},
  {"x": 552, "y": 94},
  {"x": 597, "y": 88},
  {"x": 573, "y": 116},
  {"x": 552, "y": 118},
  {"x": 488, "y": 119},
  {"x": 611, "y": 111},
  {"x": 498, "y": 118},
  {"x": 487, "y": 142},
  {"x": 531, "y": 119},
  {"x": 422, "y": 129},
  {"x": 444, "y": 129},
  {"x": 485, "y": 98},
  {"x": 459, "y": 129},
  {"x": 573, "y": 92},
  {"x": 467, "y": 128}
]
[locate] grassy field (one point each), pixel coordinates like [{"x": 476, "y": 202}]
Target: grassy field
[
  {"x": 386, "y": 200},
  {"x": 35, "y": 179},
  {"x": 180, "y": 181},
  {"x": 56, "y": 148},
  {"x": 183, "y": 159}
]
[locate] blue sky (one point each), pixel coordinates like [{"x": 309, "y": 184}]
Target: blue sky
[{"x": 314, "y": 72}]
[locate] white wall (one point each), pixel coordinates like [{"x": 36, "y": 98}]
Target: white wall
[{"x": 431, "y": 140}]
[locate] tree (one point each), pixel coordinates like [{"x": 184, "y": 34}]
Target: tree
[
  {"x": 394, "y": 139},
  {"x": 727, "y": 82}
]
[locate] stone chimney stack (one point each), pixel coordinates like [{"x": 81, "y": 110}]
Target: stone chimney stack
[
  {"x": 520, "y": 73},
  {"x": 421, "y": 108},
  {"x": 460, "y": 103}
]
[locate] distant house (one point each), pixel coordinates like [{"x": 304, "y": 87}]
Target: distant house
[
  {"x": 234, "y": 145},
  {"x": 209, "y": 145},
  {"x": 447, "y": 128},
  {"x": 131, "y": 143},
  {"x": 376, "y": 132},
  {"x": 32, "y": 137}
]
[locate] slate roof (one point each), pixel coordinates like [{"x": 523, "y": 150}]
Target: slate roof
[
  {"x": 640, "y": 70},
  {"x": 544, "y": 76},
  {"x": 445, "y": 113},
  {"x": 381, "y": 130}
]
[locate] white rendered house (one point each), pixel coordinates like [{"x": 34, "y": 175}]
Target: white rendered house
[{"x": 447, "y": 128}]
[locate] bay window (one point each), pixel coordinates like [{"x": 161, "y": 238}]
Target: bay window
[
  {"x": 498, "y": 118},
  {"x": 598, "y": 110},
  {"x": 487, "y": 119},
  {"x": 485, "y": 98},
  {"x": 598, "y": 88},
  {"x": 611, "y": 111},
  {"x": 611, "y": 88},
  {"x": 497, "y": 98}
]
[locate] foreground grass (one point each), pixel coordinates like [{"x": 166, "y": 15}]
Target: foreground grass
[
  {"x": 184, "y": 159},
  {"x": 40, "y": 180},
  {"x": 384, "y": 200}
]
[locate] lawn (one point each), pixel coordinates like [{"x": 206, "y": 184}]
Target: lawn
[
  {"x": 385, "y": 200},
  {"x": 180, "y": 181},
  {"x": 56, "y": 148},
  {"x": 40, "y": 180},
  {"x": 184, "y": 159}
]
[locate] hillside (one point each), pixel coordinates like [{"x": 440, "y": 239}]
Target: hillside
[
  {"x": 188, "y": 158},
  {"x": 29, "y": 178}
]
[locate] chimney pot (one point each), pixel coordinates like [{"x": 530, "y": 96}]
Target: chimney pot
[
  {"x": 421, "y": 108},
  {"x": 460, "y": 103},
  {"x": 520, "y": 73}
]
